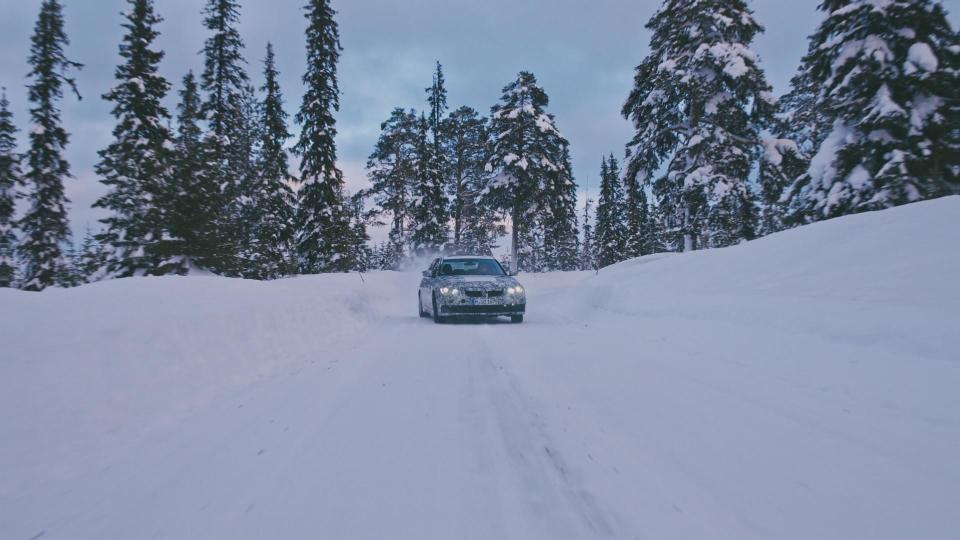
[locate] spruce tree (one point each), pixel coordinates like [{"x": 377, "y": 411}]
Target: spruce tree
[
  {"x": 392, "y": 170},
  {"x": 638, "y": 221},
  {"x": 437, "y": 100},
  {"x": 45, "y": 230},
  {"x": 798, "y": 129},
  {"x": 273, "y": 201},
  {"x": 226, "y": 84},
  {"x": 326, "y": 241},
  {"x": 9, "y": 180},
  {"x": 428, "y": 232},
  {"x": 527, "y": 149},
  {"x": 476, "y": 225},
  {"x": 699, "y": 105},
  {"x": 90, "y": 261},
  {"x": 588, "y": 255},
  {"x": 137, "y": 165},
  {"x": 242, "y": 210},
  {"x": 611, "y": 232},
  {"x": 193, "y": 196},
  {"x": 560, "y": 236},
  {"x": 887, "y": 79}
]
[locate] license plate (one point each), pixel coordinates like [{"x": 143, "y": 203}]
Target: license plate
[{"x": 484, "y": 301}]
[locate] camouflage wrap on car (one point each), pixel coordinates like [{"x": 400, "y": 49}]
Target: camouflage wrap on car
[{"x": 477, "y": 283}]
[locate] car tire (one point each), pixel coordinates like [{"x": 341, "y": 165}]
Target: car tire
[
  {"x": 436, "y": 311},
  {"x": 516, "y": 319},
  {"x": 423, "y": 314}
]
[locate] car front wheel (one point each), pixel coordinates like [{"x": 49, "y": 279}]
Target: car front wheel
[
  {"x": 436, "y": 311},
  {"x": 420, "y": 305},
  {"x": 516, "y": 318}
]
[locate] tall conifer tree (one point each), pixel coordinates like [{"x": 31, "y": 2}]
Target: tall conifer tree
[
  {"x": 560, "y": 236},
  {"x": 226, "y": 84},
  {"x": 428, "y": 232},
  {"x": 45, "y": 230},
  {"x": 639, "y": 223},
  {"x": 326, "y": 241},
  {"x": 887, "y": 78},
  {"x": 9, "y": 180},
  {"x": 437, "y": 100},
  {"x": 588, "y": 254},
  {"x": 137, "y": 166},
  {"x": 527, "y": 149},
  {"x": 699, "y": 105},
  {"x": 611, "y": 233},
  {"x": 193, "y": 195},
  {"x": 799, "y": 128},
  {"x": 392, "y": 170},
  {"x": 476, "y": 225},
  {"x": 273, "y": 201}
]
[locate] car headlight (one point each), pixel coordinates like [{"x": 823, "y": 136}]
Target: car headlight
[
  {"x": 448, "y": 291},
  {"x": 515, "y": 291}
]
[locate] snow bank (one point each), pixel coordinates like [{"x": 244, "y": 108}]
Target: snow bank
[{"x": 800, "y": 386}]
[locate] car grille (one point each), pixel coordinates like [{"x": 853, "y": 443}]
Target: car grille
[
  {"x": 484, "y": 294},
  {"x": 484, "y": 310}
]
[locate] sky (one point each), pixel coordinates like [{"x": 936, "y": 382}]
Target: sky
[{"x": 583, "y": 53}]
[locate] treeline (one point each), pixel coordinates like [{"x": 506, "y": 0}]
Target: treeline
[
  {"x": 448, "y": 182},
  {"x": 871, "y": 120},
  {"x": 211, "y": 191}
]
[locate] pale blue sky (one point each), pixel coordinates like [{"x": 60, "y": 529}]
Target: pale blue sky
[{"x": 583, "y": 53}]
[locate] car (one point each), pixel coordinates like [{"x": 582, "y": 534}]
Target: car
[{"x": 470, "y": 286}]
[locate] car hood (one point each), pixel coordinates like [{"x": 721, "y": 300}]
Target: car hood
[{"x": 478, "y": 282}]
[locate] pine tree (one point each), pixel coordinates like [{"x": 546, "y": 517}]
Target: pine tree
[
  {"x": 437, "y": 99},
  {"x": 428, "y": 232},
  {"x": 273, "y": 201},
  {"x": 241, "y": 211},
  {"x": 527, "y": 149},
  {"x": 560, "y": 236},
  {"x": 227, "y": 143},
  {"x": 193, "y": 197},
  {"x": 45, "y": 230},
  {"x": 476, "y": 225},
  {"x": 611, "y": 235},
  {"x": 588, "y": 254},
  {"x": 392, "y": 170},
  {"x": 639, "y": 225},
  {"x": 137, "y": 165},
  {"x": 699, "y": 104},
  {"x": 9, "y": 180},
  {"x": 325, "y": 241},
  {"x": 90, "y": 261},
  {"x": 361, "y": 252},
  {"x": 799, "y": 128},
  {"x": 886, "y": 74}
]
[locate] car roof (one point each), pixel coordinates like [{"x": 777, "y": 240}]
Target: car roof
[{"x": 468, "y": 257}]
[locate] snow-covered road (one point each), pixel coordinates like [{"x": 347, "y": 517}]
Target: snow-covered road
[{"x": 802, "y": 386}]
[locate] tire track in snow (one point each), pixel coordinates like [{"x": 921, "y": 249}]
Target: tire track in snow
[{"x": 551, "y": 488}]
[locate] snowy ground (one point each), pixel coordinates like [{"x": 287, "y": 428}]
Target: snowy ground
[{"x": 802, "y": 386}]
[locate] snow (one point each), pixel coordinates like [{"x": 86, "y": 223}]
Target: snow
[
  {"x": 800, "y": 386},
  {"x": 921, "y": 55}
]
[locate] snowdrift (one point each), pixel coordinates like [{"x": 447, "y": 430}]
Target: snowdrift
[{"x": 804, "y": 385}]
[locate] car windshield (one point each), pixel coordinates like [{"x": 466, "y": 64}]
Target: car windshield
[{"x": 470, "y": 267}]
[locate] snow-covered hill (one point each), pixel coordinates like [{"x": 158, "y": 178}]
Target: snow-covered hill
[{"x": 806, "y": 385}]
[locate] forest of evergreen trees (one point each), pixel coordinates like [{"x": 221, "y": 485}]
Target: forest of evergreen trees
[{"x": 871, "y": 120}]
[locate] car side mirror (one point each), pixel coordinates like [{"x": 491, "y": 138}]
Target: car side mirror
[{"x": 426, "y": 273}]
